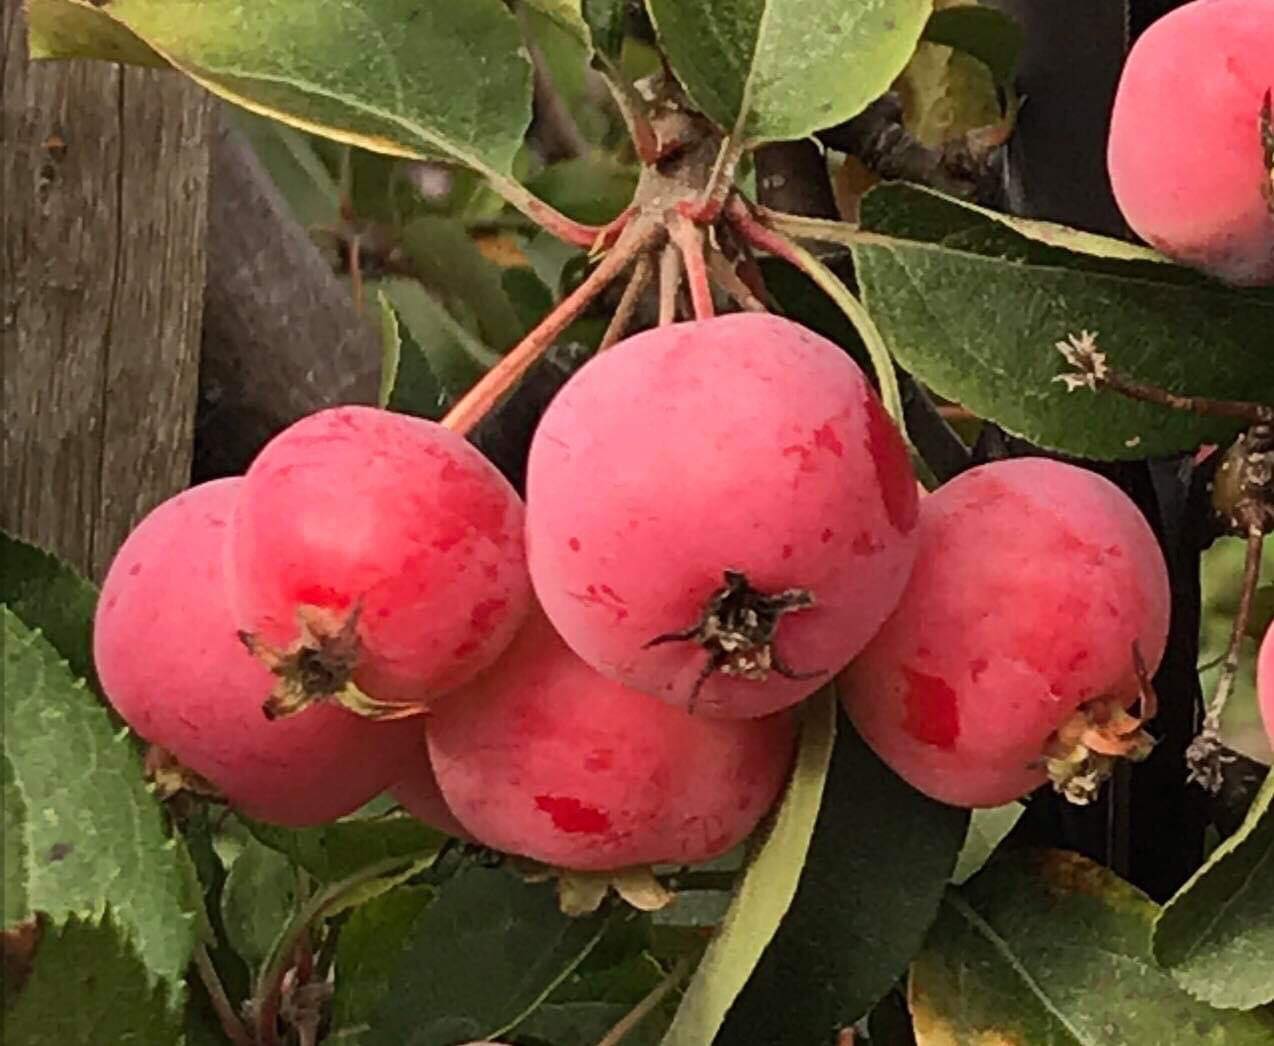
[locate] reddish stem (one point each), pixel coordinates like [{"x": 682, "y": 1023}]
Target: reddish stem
[
  {"x": 689, "y": 241},
  {"x": 669, "y": 282},
  {"x": 475, "y": 404},
  {"x": 565, "y": 229},
  {"x": 757, "y": 235}
]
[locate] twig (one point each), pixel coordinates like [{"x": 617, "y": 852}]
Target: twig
[
  {"x": 780, "y": 246},
  {"x": 475, "y": 403},
  {"x": 669, "y": 282},
  {"x": 231, "y": 1024},
  {"x": 689, "y": 241},
  {"x": 638, "y": 1013},
  {"x": 728, "y": 279},
  {"x": 643, "y": 269},
  {"x": 1204, "y": 755},
  {"x": 630, "y": 106},
  {"x": 1093, "y": 371}
]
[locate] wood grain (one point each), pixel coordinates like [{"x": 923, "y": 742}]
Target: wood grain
[{"x": 104, "y": 180}]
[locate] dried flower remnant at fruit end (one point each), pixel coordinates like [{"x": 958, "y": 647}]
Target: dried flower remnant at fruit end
[
  {"x": 319, "y": 667},
  {"x": 738, "y": 630},
  {"x": 1083, "y": 752}
]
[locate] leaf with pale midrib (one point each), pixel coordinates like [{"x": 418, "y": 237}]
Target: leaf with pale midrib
[
  {"x": 766, "y": 889},
  {"x": 1216, "y": 936},
  {"x": 973, "y": 303},
  {"x": 1049, "y": 947},
  {"x": 82, "y": 831},
  {"x": 770, "y": 70},
  {"x": 876, "y": 870},
  {"x": 414, "y": 78}
]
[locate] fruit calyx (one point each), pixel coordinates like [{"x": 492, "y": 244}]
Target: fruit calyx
[
  {"x": 1084, "y": 750},
  {"x": 582, "y": 893},
  {"x": 737, "y": 630},
  {"x": 318, "y": 666}
]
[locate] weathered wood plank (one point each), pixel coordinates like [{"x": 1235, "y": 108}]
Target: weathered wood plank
[{"x": 104, "y": 174}]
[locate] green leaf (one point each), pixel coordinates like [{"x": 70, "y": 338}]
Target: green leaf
[
  {"x": 768, "y": 70},
  {"x": 1216, "y": 936},
  {"x": 594, "y": 188},
  {"x": 480, "y": 958},
  {"x": 455, "y": 355},
  {"x": 973, "y": 304},
  {"x": 766, "y": 889},
  {"x": 294, "y": 166},
  {"x": 50, "y": 595},
  {"x": 880, "y": 859},
  {"x": 66, "y": 29},
  {"x": 606, "y": 20},
  {"x": 81, "y": 830},
  {"x": 336, "y": 851},
  {"x": 408, "y": 383},
  {"x": 367, "y": 954},
  {"x": 449, "y": 263},
  {"x": 987, "y": 33},
  {"x": 1048, "y": 947},
  {"x": 257, "y": 900},
  {"x": 413, "y": 78},
  {"x": 90, "y": 987},
  {"x": 987, "y": 829},
  {"x": 566, "y": 14}
]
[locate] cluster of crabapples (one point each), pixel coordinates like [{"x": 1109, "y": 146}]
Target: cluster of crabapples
[{"x": 720, "y": 520}]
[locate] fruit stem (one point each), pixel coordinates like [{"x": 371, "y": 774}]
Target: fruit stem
[
  {"x": 643, "y": 269},
  {"x": 1092, "y": 371},
  {"x": 773, "y": 242},
  {"x": 545, "y": 216},
  {"x": 822, "y": 230},
  {"x": 475, "y": 403},
  {"x": 630, "y": 106},
  {"x": 689, "y": 241},
  {"x": 726, "y": 277},
  {"x": 669, "y": 284},
  {"x": 235, "y": 1030},
  {"x": 638, "y": 1013},
  {"x": 269, "y": 986},
  {"x": 1204, "y": 756}
]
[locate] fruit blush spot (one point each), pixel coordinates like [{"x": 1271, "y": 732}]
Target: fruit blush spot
[
  {"x": 483, "y": 615},
  {"x": 930, "y": 705},
  {"x": 825, "y": 439},
  {"x": 574, "y": 544},
  {"x": 570, "y": 815},
  {"x": 321, "y": 596},
  {"x": 893, "y": 467}
]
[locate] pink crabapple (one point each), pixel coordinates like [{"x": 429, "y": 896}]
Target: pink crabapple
[
  {"x": 376, "y": 548},
  {"x": 1265, "y": 682},
  {"x": 1191, "y": 148},
  {"x": 417, "y": 792},
  {"x": 171, "y": 663},
  {"x": 1010, "y": 656},
  {"x": 719, "y": 513},
  {"x": 542, "y": 756}
]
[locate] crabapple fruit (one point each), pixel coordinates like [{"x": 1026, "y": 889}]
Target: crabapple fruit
[
  {"x": 1265, "y": 682},
  {"x": 544, "y": 757},
  {"x": 418, "y": 793},
  {"x": 719, "y": 513},
  {"x": 171, "y": 662},
  {"x": 1191, "y": 149},
  {"x": 1014, "y": 650},
  {"x": 376, "y": 548}
]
